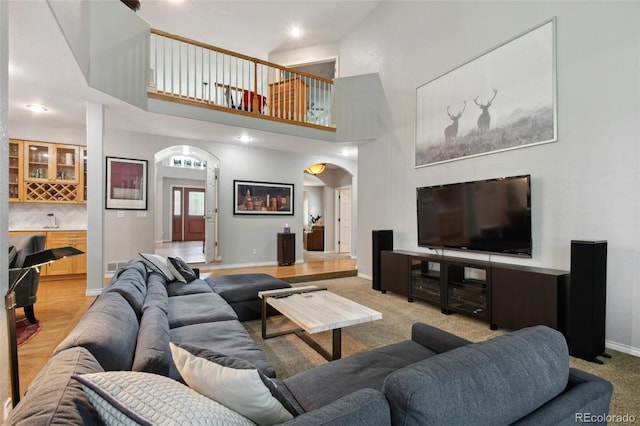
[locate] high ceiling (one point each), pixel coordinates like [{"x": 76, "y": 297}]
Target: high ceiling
[{"x": 42, "y": 69}]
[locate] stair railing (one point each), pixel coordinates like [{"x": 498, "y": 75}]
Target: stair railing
[{"x": 187, "y": 71}]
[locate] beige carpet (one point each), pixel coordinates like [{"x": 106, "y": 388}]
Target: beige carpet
[{"x": 290, "y": 355}]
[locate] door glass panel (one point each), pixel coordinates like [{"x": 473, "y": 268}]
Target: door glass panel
[
  {"x": 177, "y": 203},
  {"x": 196, "y": 204}
]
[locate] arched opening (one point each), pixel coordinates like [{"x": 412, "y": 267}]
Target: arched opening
[
  {"x": 327, "y": 212},
  {"x": 186, "y": 222}
]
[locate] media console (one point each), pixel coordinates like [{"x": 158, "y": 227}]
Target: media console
[{"x": 504, "y": 295}]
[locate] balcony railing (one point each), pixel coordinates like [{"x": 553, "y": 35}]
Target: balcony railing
[{"x": 187, "y": 71}]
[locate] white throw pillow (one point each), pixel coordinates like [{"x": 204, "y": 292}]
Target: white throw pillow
[
  {"x": 136, "y": 398},
  {"x": 158, "y": 264},
  {"x": 240, "y": 389}
]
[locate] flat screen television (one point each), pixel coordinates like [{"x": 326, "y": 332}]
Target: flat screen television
[{"x": 492, "y": 216}]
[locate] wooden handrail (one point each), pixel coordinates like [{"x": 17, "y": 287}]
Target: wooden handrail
[{"x": 237, "y": 55}]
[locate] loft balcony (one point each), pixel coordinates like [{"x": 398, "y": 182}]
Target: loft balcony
[
  {"x": 197, "y": 74},
  {"x": 171, "y": 75}
]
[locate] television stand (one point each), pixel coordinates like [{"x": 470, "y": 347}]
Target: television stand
[{"x": 504, "y": 295}]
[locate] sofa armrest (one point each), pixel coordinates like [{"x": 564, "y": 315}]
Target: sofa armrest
[
  {"x": 364, "y": 407},
  {"x": 585, "y": 400},
  {"x": 435, "y": 339}
]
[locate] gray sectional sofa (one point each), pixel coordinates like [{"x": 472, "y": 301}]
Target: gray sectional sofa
[{"x": 435, "y": 378}]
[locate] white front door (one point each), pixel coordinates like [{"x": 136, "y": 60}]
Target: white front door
[{"x": 344, "y": 221}]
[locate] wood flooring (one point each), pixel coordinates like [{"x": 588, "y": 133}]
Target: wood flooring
[{"x": 61, "y": 303}]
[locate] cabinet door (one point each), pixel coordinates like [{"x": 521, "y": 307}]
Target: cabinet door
[
  {"x": 70, "y": 265},
  {"x": 524, "y": 298},
  {"x": 36, "y": 161},
  {"x": 64, "y": 164},
  {"x": 16, "y": 181}
]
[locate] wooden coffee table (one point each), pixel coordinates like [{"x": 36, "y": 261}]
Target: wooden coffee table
[{"x": 314, "y": 309}]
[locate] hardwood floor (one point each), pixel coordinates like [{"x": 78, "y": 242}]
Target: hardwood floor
[{"x": 62, "y": 302}]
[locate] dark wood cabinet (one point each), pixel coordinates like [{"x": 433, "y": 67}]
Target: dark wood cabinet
[
  {"x": 286, "y": 248},
  {"x": 504, "y": 295}
]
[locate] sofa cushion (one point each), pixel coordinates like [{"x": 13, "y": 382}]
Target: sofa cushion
[
  {"x": 109, "y": 330},
  {"x": 493, "y": 382},
  {"x": 180, "y": 270},
  {"x": 133, "y": 398},
  {"x": 326, "y": 383},
  {"x": 157, "y": 264},
  {"x": 156, "y": 293},
  {"x": 231, "y": 381},
  {"x": 241, "y": 287},
  {"x": 198, "y": 308},
  {"x": 132, "y": 286},
  {"x": 54, "y": 398},
  {"x": 152, "y": 348},
  {"x": 226, "y": 337},
  {"x": 176, "y": 288}
]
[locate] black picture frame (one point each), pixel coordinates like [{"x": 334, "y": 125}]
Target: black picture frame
[
  {"x": 126, "y": 184},
  {"x": 263, "y": 198}
]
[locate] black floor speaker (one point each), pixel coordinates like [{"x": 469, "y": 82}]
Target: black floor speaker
[
  {"x": 587, "y": 300},
  {"x": 382, "y": 240}
]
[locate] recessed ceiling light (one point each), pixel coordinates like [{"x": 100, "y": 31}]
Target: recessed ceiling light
[
  {"x": 36, "y": 108},
  {"x": 245, "y": 138},
  {"x": 296, "y": 32}
]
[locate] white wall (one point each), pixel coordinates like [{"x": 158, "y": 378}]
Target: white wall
[{"x": 585, "y": 186}]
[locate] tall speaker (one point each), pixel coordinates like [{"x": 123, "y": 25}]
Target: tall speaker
[
  {"x": 587, "y": 299},
  {"x": 382, "y": 240}
]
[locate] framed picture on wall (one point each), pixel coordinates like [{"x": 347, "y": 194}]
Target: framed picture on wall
[
  {"x": 504, "y": 99},
  {"x": 262, "y": 198},
  {"x": 126, "y": 184}
]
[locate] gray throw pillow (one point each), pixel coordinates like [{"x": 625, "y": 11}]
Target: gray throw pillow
[{"x": 180, "y": 270}]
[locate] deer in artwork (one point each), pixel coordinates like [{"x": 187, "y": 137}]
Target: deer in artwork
[
  {"x": 451, "y": 132},
  {"x": 484, "y": 121}
]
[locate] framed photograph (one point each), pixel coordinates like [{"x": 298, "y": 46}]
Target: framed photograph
[
  {"x": 262, "y": 198},
  {"x": 504, "y": 99},
  {"x": 126, "y": 184}
]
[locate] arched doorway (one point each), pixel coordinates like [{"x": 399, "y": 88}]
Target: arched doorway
[
  {"x": 327, "y": 210},
  {"x": 187, "y": 190}
]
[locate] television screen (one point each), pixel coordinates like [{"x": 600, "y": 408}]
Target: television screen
[{"x": 491, "y": 215}]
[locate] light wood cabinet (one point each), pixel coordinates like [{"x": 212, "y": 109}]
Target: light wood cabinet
[
  {"x": 46, "y": 172},
  {"x": 16, "y": 183},
  {"x": 71, "y": 265},
  {"x": 288, "y": 99}
]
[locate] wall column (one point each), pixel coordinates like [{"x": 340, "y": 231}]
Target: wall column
[{"x": 95, "y": 198}]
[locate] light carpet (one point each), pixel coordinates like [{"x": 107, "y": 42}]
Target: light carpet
[{"x": 290, "y": 355}]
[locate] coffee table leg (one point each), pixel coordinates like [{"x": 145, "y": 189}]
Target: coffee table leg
[
  {"x": 264, "y": 317},
  {"x": 337, "y": 343}
]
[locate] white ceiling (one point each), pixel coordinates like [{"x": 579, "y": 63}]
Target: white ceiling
[{"x": 42, "y": 69}]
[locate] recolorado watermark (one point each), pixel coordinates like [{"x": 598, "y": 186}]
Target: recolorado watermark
[{"x": 601, "y": 418}]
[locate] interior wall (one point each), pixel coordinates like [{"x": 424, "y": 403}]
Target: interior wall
[
  {"x": 584, "y": 186},
  {"x": 239, "y": 235},
  {"x": 316, "y": 203}
]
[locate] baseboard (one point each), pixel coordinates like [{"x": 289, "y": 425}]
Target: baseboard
[
  {"x": 365, "y": 276},
  {"x": 94, "y": 292},
  {"x": 629, "y": 350}
]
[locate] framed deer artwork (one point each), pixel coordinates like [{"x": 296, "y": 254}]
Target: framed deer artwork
[{"x": 504, "y": 99}]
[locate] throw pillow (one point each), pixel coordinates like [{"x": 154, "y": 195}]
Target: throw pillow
[
  {"x": 158, "y": 264},
  {"x": 180, "y": 270},
  {"x": 231, "y": 381},
  {"x": 135, "y": 398}
]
